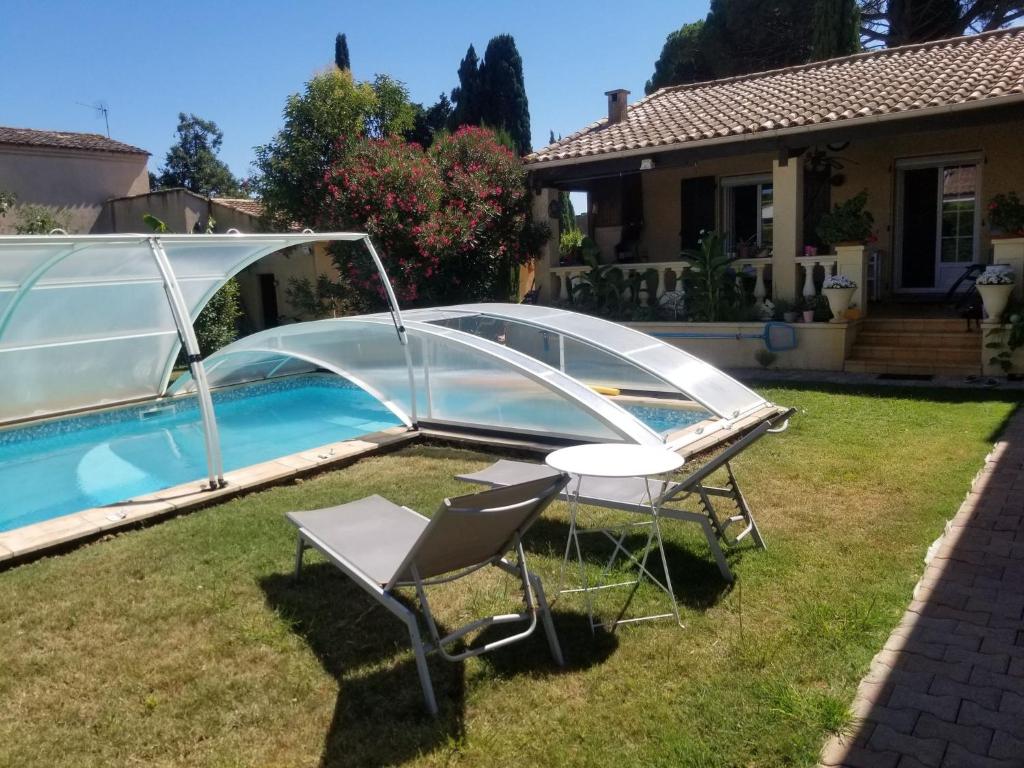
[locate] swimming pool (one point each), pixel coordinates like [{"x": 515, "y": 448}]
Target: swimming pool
[
  {"x": 61, "y": 466},
  {"x": 665, "y": 419}
]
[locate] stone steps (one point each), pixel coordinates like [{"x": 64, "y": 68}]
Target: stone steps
[{"x": 942, "y": 347}]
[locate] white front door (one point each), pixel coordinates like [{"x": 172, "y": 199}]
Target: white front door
[{"x": 937, "y": 222}]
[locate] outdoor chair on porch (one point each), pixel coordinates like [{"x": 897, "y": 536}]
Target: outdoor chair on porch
[
  {"x": 382, "y": 546},
  {"x": 631, "y": 494}
]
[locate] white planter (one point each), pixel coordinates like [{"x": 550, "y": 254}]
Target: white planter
[
  {"x": 838, "y": 301},
  {"x": 995, "y": 298}
]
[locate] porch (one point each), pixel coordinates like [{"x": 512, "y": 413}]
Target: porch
[{"x": 927, "y": 190}]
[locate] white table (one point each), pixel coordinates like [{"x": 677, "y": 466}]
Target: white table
[{"x": 617, "y": 460}]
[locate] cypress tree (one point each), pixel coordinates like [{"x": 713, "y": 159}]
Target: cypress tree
[
  {"x": 466, "y": 97},
  {"x": 567, "y": 213},
  {"x": 341, "y": 59},
  {"x": 835, "y": 28},
  {"x": 503, "y": 102}
]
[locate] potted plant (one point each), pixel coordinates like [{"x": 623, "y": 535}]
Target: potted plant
[
  {"x": 785, "y": 311},
  {"x": 995, "y": 286},
  {"x": 838, "y": 289},
  {"x": 1006, "y": 215},
  {"x": 570, "y": 247},
  {"x": 847, "y": 223}
]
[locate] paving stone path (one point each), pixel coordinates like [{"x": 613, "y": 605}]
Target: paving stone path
[{"x": 947, "y": 689}]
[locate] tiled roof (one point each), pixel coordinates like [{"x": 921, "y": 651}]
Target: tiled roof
[
  {"x": 244, "y": 204},
  {"x": 65, "y": 140},
  {"x": 962, "y": 72}
]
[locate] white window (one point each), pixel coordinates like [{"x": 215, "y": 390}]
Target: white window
[{"x": 748, "y": 214}]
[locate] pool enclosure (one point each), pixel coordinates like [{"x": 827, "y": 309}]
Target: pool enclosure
[
  {"x": 96, "y": 320},
  {"x": 508, "y": 369},
  {"x": 93, "y": 321}
]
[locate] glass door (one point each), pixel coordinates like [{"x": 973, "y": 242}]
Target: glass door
[{"x": 937, "y": 223}]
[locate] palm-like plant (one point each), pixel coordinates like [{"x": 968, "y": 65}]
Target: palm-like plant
[{"x": 710, "y": 283}]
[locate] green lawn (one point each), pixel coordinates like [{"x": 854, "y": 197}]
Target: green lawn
[{"x": 188, "y": 644}]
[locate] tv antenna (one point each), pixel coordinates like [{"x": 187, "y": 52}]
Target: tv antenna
[{"x": 101, "y": 108}]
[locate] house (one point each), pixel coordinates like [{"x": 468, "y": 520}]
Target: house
[
  {"x": 263, "y": 287},
  {"x": 76, "y": 172},
  {"x": 930, "y": 131}
]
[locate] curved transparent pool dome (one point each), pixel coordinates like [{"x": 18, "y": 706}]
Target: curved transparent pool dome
[
  {"x": 456, "y": 378},
  {"x": 86, "y": 321},
  {"x": 601, "y": 353}
]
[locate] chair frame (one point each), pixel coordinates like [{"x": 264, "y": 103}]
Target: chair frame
[
  {"x": 534, "y": 599},
  {"x": 714, "y": 526}
]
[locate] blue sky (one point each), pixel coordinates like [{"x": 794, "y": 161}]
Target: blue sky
[{"x": 235, "y": 63}]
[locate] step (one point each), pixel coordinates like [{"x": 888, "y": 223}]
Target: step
[
  {"x": 881, "y": 366},
  {"x": 910, "y": 325},
  {"x": 933, "y": 339},
  {"x": 917, "y": 355}
]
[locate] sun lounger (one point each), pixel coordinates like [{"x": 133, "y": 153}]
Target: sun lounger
[
  {"x": 631, "y": 494},
  {"x": 382, "y": 546}
]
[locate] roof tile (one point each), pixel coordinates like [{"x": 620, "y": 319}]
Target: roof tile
[
  {"x": 962, "y": 70},
  {"x": 92, "y": 142}
]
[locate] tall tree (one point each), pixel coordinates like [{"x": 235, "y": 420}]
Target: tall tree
[
  {"x": 742, "y": 36},
  {"x": 890, "y": 23},
  {"x": 341, "y": 59},
  {"x": 466, "y": 96},
  {"x": 430, "y": 121},
  {"x": 192, "y": 160},
  {"x": 682, "y": 59},
  {"x": 318, "y": 123},
  {"x": 503, "y": 102},
  {"x": 737, "y": 37},
  {"x": 391, "y": 113},
  {"x": 566, "y": 210},
  {"x": 836, "y": 28}
]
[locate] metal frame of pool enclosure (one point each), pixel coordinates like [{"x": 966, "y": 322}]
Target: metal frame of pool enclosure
[{"x": 91, "y": 321}]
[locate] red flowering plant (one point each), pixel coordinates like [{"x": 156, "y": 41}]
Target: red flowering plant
[
  {"x": 451, "y": 225},
  {"x": 390, "y": 190},
  {"x": 1006, "y": 213}
]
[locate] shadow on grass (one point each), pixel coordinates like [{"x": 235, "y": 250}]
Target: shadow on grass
[
  {"x": 696, "y": 580},
  {"x": 379, "y": 718}
]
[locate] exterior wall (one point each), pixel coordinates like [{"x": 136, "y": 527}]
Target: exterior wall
[
  {"x": 79, "y": 181},
  {"x": 300, "y": 263},
  {"x": 820, "y": 346},
  {"x": 661, "y": 191},
  {"x": 179, "y": 209},
  {"x": 871, "y": 165}
]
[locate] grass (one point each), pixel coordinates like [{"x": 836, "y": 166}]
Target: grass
[{"x": 188, "y": 644}]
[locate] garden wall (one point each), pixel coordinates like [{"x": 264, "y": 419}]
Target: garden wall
[{"x": 820, "y": 346}]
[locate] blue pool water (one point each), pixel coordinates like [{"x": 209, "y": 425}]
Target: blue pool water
[
  {"x": 665, "y": 419},
  {"x": 62, "y": 466}
]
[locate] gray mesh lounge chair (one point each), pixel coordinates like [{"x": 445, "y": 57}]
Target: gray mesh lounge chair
[
  {"x": 631, "y": 494},
  {"x": 382, "y": 546}
]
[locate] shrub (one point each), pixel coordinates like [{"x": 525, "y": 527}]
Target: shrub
[
  {"x": 451, "y": 224},
  {"x": 847, "y": 221},
  {"x": 1006, "y": 212}
]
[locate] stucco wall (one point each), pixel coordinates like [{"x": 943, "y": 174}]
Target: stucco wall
[
  {"x": 301, "y": 263},
  {"x": 661, "y": 190},
  {"x": 78, "y": 181},
  {"x": 871, "y": 165},
  {"x": 820, "y": 346}
]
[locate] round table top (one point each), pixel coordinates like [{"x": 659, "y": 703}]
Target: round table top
[{"x": 614, "y": 460}]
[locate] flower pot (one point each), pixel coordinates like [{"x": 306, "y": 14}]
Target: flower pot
[
  {"x": 789, "y": 317},
  {"x": 838, "y": 302},
  {"x": 808, "y": 315},
  {"x": 995, "y": 298}
]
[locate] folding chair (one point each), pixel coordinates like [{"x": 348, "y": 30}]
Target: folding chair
[
  {"x": 382, "y": 546},
  {"x": 631, "y": 494}
]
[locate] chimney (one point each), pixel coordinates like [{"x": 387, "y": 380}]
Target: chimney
[{"x": 617, "y": 101}]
